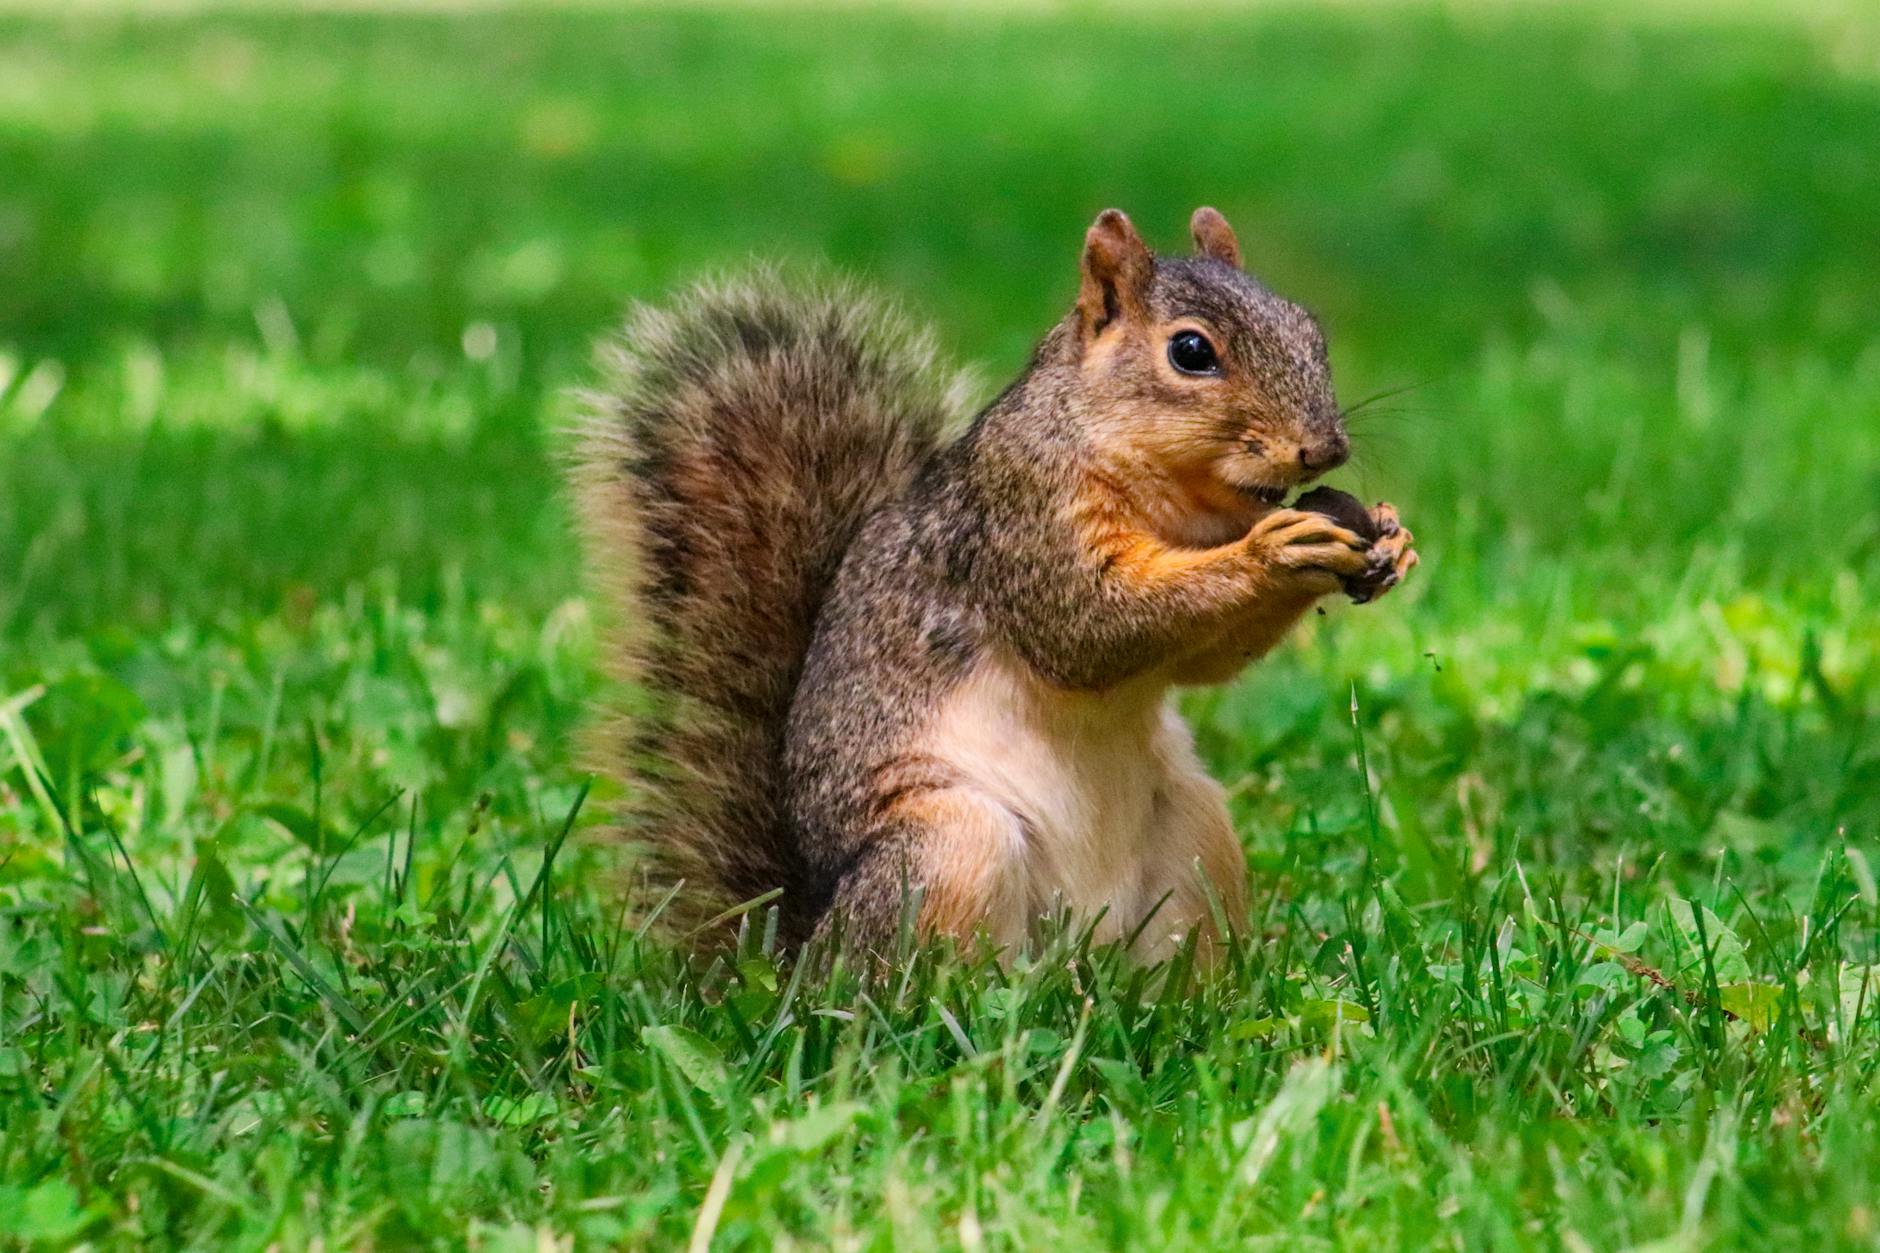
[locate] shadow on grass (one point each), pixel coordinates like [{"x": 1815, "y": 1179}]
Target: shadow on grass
[
  {"x": 1661, "y": 230},
  {"x": 136, "y": 531},
  {"x": 1420, "y": 176}
]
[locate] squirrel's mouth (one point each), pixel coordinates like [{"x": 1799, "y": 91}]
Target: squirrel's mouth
[{"x": 1253, "y": 478}]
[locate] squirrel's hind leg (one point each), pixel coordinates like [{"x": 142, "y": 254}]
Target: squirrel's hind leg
[
  {"x": 954, "y": 856},
  {"x": 1196, "y": 867}
]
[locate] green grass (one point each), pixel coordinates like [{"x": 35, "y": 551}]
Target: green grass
[{"x": 1567, "y": 939}]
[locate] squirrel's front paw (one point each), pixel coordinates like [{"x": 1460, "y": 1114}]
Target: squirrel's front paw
[
  {"x": 1391, "y": 558},
  {"x": 1311, "y": 548}
]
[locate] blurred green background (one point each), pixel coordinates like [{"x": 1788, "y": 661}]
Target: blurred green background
[{"x": 311, "y": 286}]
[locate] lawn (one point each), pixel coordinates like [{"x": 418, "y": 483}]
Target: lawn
[{"x": 1565, "y": 931}]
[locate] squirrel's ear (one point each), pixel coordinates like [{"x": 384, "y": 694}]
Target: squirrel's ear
[
  {"x": 1214, "y": 237},
  {"x": 1117, "y": 266}
]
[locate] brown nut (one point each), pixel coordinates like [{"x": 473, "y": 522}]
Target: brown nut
[
  {"x": 1342, "y": 508},
  {"x": 1346, "y": 510}
]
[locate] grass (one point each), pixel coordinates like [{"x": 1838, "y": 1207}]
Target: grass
[{"x": 1564, "y": 931}]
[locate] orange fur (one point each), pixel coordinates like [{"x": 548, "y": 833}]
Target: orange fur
[{"x": 961, "y": 867}]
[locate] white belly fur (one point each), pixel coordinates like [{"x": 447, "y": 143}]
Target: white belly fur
[{"x": 1110, "y": 804}]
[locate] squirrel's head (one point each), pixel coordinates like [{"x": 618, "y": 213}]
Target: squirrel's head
[{"x": 1193, "y": 362}]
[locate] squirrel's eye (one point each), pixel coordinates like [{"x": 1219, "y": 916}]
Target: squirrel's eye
[{"x": 1191, "y": 353}]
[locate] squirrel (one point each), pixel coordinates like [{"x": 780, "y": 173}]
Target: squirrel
[{"x": 890, "y": 674}]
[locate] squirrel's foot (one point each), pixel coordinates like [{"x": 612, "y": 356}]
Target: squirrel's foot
[
  {"x": 1391, "y": 557},
  {"x": 1310, "y": 548}
]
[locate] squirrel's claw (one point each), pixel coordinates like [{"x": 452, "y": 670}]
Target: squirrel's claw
[
  {"x": 1392, "y": 557},
  {"x": 1384, "y": 520}
]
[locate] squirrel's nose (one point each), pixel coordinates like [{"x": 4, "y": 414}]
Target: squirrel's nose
[{"x": 1326, "y": 454}]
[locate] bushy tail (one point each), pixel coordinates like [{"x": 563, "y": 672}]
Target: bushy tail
[{"x": 740, "y": 438}]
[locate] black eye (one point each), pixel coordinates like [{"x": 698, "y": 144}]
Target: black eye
[{"x": 1191, "y": 353}]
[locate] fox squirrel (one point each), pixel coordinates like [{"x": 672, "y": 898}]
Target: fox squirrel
[{"x": 890, "y": 674}]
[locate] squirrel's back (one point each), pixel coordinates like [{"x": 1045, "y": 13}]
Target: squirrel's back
[{"x": 741, "y": 437}]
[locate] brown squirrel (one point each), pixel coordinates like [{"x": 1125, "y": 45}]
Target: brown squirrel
[{"x": 890, "y": 676}]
